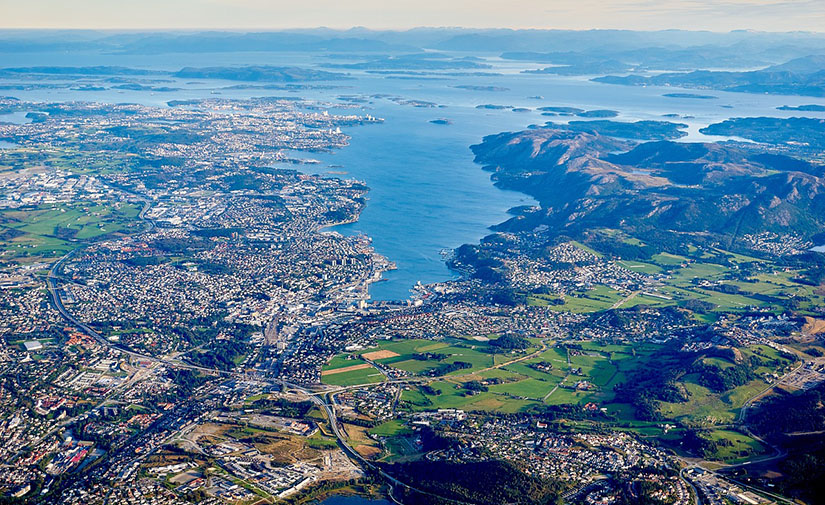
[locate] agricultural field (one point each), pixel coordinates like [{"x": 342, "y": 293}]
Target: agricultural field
[
  {"x": 544, "y": 379},
  {"x": 705, "y": 406},
  {"x": 589, "y": 372},
  {"x": 735, "y": 447},
  {"x": 729, "y": 282},
  {"x": 592, "y": 300},
  {"x": 452, "y": 395},
  {"x": 419, "y": 357},
  {"x": 51, "y": 231},
  {"x": 354, "y": 376},
  {"x": 708, "y": 408},
  {"x": 390, "y": 429}
]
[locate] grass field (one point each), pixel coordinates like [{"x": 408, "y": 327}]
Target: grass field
[
  {"x": 390, "y": 429},
  {"x": 541, "y": 300},
  {"x": 664, "y": 258},
  {"x": 598, "y": 298},
  {"x": 650, "y": 301},
  {"x": 342, "y": 362},
  {"x": 708, "y": 407},
  {"x": 710, "y": 275},
  {"x": 585, "y": 248},
  {"x": 53, "y": 230},
  {"x": 523, "y": 386},
  {"x": 735, "y": 447},
  {"x": 400, "y": 447},
  {"x": 640, "y": 267},
  {"x": 354, "y": 377},
  {"x": 405, "y": 354},
  {"x": 453, "y": 396},
  {"x": 528, "y": 388}
]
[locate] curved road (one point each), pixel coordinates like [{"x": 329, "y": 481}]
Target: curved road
[
  {"x": 57, "y": 302},
  {"x": 315, "y": 397}
]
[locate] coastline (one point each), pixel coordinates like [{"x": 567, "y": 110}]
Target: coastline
[{"x": 379, "y": 262}]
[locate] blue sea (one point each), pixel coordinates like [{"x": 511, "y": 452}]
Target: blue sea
[{"x": 427, "y": 196}]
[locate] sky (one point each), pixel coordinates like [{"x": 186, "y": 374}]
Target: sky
[{"x": 715, "y": 15}]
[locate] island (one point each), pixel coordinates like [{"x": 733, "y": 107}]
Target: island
[
  {"x": 469, "y": 87},
  {"x": 804, "y": 108},
  {"x": 259, "y": 73},
  {"x": 795, "y": 133},
  {"x": 492, "y": 106},
  {"x": 599, "y": 113},
  {"x": 561, "y": 110},
  {"x": 694, "y": 96},
  {"x": 800, "y": 76}
]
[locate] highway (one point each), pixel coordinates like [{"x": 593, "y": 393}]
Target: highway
[
  {"x": 690, "y": 485},
  {"x": 313, "y": 396},
  {"x": 327, "y": 406}
]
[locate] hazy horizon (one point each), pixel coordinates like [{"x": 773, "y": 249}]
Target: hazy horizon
[
  {"x": 367, "y": 29},
  {"x": 246, "y": 15}
]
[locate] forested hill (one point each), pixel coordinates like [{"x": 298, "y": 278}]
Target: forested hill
[{"x": 585, "y": 180}]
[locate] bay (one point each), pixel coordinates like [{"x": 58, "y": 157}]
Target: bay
[
  {"x": 17, "y": 117},
  {"x": 426, "y": 194}
]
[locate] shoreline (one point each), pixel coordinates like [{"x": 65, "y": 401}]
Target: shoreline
[{"x": 380, "y": 262}]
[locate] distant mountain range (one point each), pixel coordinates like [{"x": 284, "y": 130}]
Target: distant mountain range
[
  {"x": 651, "y": 58},
  {"x": 791, "y": 63},
  {"x": 247, "y": 73},
  {"x": 800, "y": 76},
  {"x": 656, "y": 48},
  {"x": 415, "y": 61}
]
